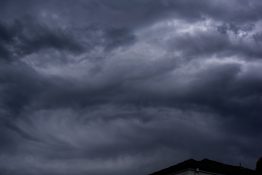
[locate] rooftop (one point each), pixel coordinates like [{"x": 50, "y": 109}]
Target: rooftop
[{"x": 206, "y": 165}]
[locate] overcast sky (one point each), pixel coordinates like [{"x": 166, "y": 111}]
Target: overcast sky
[{"x": 124, "y": 87}]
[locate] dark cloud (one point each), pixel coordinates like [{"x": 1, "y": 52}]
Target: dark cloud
[
  {"x": 128, "y": 87},
  {"x": 24, "y": 37}
]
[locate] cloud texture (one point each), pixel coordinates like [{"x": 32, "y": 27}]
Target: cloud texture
[{"x": 128, "y": 87}]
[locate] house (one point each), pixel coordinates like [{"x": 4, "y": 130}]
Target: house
[{"x": 205, "y": 167}]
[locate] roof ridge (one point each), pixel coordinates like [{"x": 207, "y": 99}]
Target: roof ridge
[{"x": 205, "y": 165}]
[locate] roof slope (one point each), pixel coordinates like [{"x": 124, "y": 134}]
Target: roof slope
[{"x": 208, "y": 166}]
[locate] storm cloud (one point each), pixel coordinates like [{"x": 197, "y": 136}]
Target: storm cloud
[{"x": 128, "y": 87}]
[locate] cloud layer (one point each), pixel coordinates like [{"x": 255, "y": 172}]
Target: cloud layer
[{"x": 121, "y": 87}]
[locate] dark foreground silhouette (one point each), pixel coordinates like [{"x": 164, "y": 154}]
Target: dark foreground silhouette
[{"x": 207, "y": 166}]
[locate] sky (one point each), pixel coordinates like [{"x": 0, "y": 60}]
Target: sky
[{"x": 120, "y": 87}]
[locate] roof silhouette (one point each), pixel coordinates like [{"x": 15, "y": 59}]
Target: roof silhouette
[{"x": 206, "y": 165}]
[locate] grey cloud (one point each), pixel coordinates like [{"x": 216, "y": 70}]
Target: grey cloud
[
  {"x": 128, "y": 87},
  {"x": 26, "y": 37},
  {"x": 119, "y": 138},
  {"x": 136, "y": 13}
]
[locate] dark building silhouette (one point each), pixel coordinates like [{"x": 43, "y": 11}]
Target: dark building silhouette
[
  {"x": 206, "y": 167},
  {"x": 259, "y": 166}
]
